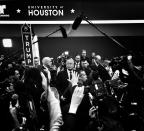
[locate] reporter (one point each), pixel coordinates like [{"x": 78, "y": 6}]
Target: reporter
[
  {"x": 77, "y": 117},
  {"x": 53, "y": 104}
]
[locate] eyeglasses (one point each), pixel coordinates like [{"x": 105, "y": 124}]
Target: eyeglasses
[{"x": 17, "y": 73}]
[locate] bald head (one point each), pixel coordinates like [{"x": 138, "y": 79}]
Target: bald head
[
  {"x": 98, "y": 57},
  {"x": 47, "y": 61}
]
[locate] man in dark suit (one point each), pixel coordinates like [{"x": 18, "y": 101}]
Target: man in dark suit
[
  {"x": 62, "y": 78},
  {"x": 64, "y": 87},
  {"x": 92, "y": 58},
  {"x": 84, "y": 56},
  {"x": 85, "y": 66},
  {"x": 77, "y": 64}
]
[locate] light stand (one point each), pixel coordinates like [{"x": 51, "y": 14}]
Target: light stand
[
  {"x": 63, "y": 31},
  {"x": 93, "y": 25},
  {"x": 78, "y": 21}
]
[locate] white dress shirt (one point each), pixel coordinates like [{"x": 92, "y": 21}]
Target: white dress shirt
[{"x": 48, "y": 73}]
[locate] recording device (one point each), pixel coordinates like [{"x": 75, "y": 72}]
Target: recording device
[
  {"x": 86, "y": 89},
  {"x": 122, "y": 61},
  {"x": 119, "y": 62},
  {"x": 77, "y": 22},
  {"x": 62, "y": 58},
  {"x": 66, "y": 53},
  {"x": 97, "y": 89},
  {"x": 138, "y": 59},
  {"x": 63, "y": 31}
]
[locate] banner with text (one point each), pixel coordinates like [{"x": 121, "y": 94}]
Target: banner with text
[
  {"x": 27, "y": 44},
  {"x": 63, "y": 10}
]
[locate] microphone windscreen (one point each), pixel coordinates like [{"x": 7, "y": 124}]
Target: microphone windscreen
[
  {"x": 77, "y": 22},
  {"x": 63, "y": 31}
]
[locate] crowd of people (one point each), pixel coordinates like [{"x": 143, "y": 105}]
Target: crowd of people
[{"x": 80, "y": 93}]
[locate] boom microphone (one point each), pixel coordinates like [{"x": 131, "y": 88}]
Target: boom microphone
[
  {"x": 77, "y": 22},
  {"x": 63, "y": 31}
]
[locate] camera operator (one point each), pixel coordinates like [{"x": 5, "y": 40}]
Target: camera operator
[
  {"x": 131, "y": 72},
  {"x": 135, "y": 80},
  {"x": 61, "y": 60}
]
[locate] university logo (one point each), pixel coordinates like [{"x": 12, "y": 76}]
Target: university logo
[
  {"x": 45, "y": 10},
  {"x": 2, "y": 11}
]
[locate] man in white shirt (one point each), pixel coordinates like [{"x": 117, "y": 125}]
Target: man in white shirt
[{"x": 46, "y": 64}]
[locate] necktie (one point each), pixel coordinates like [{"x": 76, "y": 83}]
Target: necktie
[
  {"x": 77, "y": 65},
  {"x": 70, "y": 74}
]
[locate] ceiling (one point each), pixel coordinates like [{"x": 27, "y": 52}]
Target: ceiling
[
  {"x": 84, "y": 30},
  {"x": 93, "y": 9}
]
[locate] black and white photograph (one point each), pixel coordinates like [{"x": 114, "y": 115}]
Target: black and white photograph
[{"x": 71, "y": 65}]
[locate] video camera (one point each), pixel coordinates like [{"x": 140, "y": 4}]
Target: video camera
[{"x": 63, "y": 57}]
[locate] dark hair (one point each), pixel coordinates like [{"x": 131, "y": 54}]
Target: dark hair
[
  {"x": 32, "y": 79},
  {"x": 33, "y": 75},
  {"x": 81, "y": 72},
  {"x": 33, "y": 85},
  {"x": 95, "y": 75}
]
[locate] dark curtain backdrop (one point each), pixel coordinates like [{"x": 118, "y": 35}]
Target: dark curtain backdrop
[
  {"x": 54, "y": 46},
  {"x": 100, "y": 45}
]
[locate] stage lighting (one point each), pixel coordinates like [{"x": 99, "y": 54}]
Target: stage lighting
[{"x": 7, "y": 43}]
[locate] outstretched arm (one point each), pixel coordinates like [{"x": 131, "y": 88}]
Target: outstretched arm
[
  {"x": 55, "y": 111},
  {"x": 77, "y": 96},
  {"x": 53, "y": 105}
]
